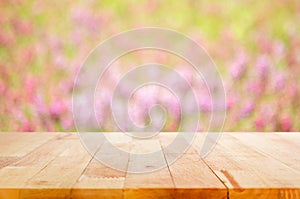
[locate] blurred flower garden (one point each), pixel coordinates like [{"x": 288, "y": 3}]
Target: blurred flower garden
[{"x": 255, "y": 45}]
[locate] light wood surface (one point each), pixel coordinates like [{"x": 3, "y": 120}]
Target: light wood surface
[{"x": 57, "y": 165}]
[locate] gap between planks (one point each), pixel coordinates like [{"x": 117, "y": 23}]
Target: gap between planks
[{"x": 227, "y": 177}]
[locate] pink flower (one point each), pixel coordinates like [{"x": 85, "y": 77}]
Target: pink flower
[
  {"x": 102, "y": 99},
  {"x": 286, "y": 124},
  {"x": 278, "y": 50},
  {"x": 67, "y": 124},
  {"x": 57, "y": 108},
  {"x": 291, "y": 91},
  {"x": 60, "y": 61},
  {"x": 86, "y": 18},
  {"x": 55, "y": 44},
  {"x": 262, "y": 65},
  {"x": 147, "y": 96},
  {"x": 265, "y": 44},
  {"x": 259, "y": 124},
  {"x": 77, "y": 36},
  {"x": 171, "y": 103},
  {"x": 30, "y": 88},
  {"x": 137, "y": 115},
  {"x": 238, "y": 67},
  {"x": 203, "y": 98},
  {"x": 230, "y": 102},
  {"x": 2, "y": 87},
  {"x": 256, "y": 87},
  {"x": 40, "y": 105},
  {"x": 22, "y": 27},
  {"x": 186, "y": 74},
  {"x": 279, "y": 82},
  {"x": 3, "y": 71},
  {"x": 28, "y": 55},
  {"x": 248, "y": 109},
  {"x": 205, "y": 104},
  {"x": 5, "y": 39},
  {"x": 27, "y": 126}
]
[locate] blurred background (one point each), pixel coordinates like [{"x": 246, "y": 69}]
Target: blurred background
[{"x": 255, "y": 45}]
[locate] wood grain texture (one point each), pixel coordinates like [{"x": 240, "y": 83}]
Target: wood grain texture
[
  {"x": 289, "y": 150},
  {"x": 157, "y": 182},
  {"x": 59, "y": 176},
  {"x": 57, "y": 165},
  {"x": 251, "y": 173},
  {"x": 194, "y": 179},
  {"x": 17, "y": 144}
]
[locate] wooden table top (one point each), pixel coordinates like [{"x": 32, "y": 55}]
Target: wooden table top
[{"x": 241, "y": 165}]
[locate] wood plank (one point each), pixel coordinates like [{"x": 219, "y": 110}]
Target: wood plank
[
  {"x": 42, "y": 155},
  {"x": 58, "y": 177},
  {"x": 283, "y": 150},
  {"x": 15, "y": 176},
  {"x": 12, "y": 181},
  {"x": 141, "y": 179},
  {"x": 17, "y": 144},
  {"x": 193, "y": 178},
  {"x": 251, "y": 165},
  {"x": 291, "y": 137},
  {"x": 251, "y": 174},
  {"x": 173, "y": 142},
  {"x": 6, "y": 161},
  {"x": 99, "y": 180},
  {"x": 115, "y": 150}
]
